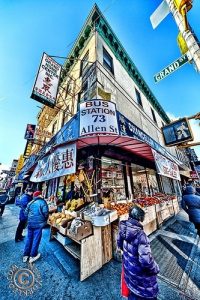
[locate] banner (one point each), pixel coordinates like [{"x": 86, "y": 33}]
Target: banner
[
  {"x": 46, "y": 83},
  {"x": 61, "y": 162},
  {"x": 166, "y": 167},
  {"x": 98, "y": 117}
]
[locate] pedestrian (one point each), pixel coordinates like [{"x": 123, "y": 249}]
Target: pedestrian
[
  {"x": 3, "y": 201},
  {"x": 191, "y": 204},
  {"x": 23, "y": 202},
  {"x": 140, "y": 268},
  {"x": 37, "y": 212}
]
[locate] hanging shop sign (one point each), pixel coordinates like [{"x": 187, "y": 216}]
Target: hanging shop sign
[
  {"x": 30, "y": 132},
  {"x": 194, "y": 175},
  {"x": 28, "y": 149},
  {"x": 46, "y": 84},
  {"x": 42, "y": 132},
  {"x": 165, "y": 166},
  {"x": 20, "y": 164},
  {"x": 98, "y": 117},
  {"x": 177, "y": 132},
  {"x": 61, "y": 162}
]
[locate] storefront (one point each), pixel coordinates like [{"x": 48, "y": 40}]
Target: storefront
[{"x": 100, "y": 164}]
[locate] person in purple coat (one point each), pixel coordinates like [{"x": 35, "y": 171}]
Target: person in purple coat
[{"x": 140, "y": 268}]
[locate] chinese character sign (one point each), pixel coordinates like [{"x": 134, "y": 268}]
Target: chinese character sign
[
  {"x": 46, "y": 83},
  {"x": 165, "y": 166},
  {"x": 61, "y": 162}
]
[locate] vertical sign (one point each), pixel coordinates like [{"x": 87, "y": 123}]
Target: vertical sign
[{"x": 46, "y": 84}]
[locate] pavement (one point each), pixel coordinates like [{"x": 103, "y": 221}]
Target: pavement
[{"x": 175, "y": 247}]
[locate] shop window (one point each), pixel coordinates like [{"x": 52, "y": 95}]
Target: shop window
[
  {"x": 138, "y": 98},
  {"x": 140, "y": 185},
  {"x": 166, "y": 183},
  {"x": 152, "y": 181},
  {"x": 108, "y": 61},
  {"x": 154, "y": 116},
  {"x": 112, "y": 178},
  {"x": 84, "y": 64}
]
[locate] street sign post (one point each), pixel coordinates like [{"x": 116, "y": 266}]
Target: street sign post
[{"x": 171, "y": 68}]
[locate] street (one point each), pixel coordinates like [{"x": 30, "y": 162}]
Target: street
[{"x": 174, "y": 248}]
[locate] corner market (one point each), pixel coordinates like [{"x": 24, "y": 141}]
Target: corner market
[{"x": 97, "y": 177}]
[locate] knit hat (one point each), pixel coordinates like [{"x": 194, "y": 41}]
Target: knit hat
[{"x": 36, "y": 194}]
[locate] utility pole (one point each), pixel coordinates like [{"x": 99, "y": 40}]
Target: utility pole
[{"x": 179, "y": 8}]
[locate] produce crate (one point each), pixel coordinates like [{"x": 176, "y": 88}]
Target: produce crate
[
  {"x": 62, "y": 239},
  {"x": 82, "y": 232}
]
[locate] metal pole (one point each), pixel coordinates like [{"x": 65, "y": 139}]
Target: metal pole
[{"x": 192, "y": 44}]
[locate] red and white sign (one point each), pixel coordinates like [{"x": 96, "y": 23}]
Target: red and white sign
[
  {"x": 46, "y": 83},
  {"x": 194, "y": 175},
  {"x": 61, "y": 162},
  {"x": 165, "y": 166}
]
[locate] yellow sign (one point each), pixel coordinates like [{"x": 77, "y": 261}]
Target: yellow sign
[
  {"x": 103, "y": 94},
  {"x": 19, "y": 164},
  {"x": 180, "y": 4},
  {"x": 182, "y": 43},
  {"x": 28, "y": 149}
]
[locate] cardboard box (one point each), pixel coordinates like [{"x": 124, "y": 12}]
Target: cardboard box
[{"x": 82, "y": 232}]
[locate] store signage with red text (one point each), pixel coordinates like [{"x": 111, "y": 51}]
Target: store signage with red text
[
  {"x": 165, "y": 166},
  {"x": 46, "y": 83}
]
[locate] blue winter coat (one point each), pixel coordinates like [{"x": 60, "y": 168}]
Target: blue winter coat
[
  {"x": 191, "y": 204},
  {"x": 24, "y": 200},
  {"x": 37, "y": 212},
  {"x": 140, "y": 268}
]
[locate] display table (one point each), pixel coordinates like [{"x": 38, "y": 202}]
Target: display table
[{"x": 93, "y": 251}]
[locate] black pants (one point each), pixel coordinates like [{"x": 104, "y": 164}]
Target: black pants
[
  {"x": 2, "y": 207},
  {"x": 21, "y": 226}
]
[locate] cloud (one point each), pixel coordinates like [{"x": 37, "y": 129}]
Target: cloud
[{"x": 195, "y": 125}]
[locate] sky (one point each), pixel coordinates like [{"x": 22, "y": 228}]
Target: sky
[{"x": 29, "y": 28}]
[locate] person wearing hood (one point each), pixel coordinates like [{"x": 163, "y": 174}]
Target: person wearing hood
[
  {"x": 191, "y": 204},
  {"x": 37, "y": 213},
  {"x": 140, "y": 268}
]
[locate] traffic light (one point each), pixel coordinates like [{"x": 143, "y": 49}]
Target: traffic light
[{"x": 183, "y": 7}]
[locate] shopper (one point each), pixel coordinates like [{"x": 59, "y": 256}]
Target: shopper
[
  {"x": 37, "y": 213},
  {"x": 3, "y": 201},
  {"x": 140, "y": 268},
  {"x": 23, "y": 202},
  {"x": 191, "y": 204}
]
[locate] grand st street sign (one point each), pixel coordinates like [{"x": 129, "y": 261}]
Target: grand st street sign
[{"x": 171, "y": 68}]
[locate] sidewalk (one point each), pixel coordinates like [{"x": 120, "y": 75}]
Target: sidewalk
[{"x": 174, "y": 247}]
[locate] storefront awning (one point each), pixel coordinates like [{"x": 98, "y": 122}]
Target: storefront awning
[{"x": 129, "y": 144}]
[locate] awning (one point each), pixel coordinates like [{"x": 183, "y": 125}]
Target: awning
[{"x": 129, "y": 144}]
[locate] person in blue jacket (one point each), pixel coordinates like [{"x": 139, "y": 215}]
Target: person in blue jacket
[
  {"x": 191, "y": 204},
  {"x": 140, "y": 268},
  {"x": 24, "y": 200},
  {"x": 37, "y": 213}
]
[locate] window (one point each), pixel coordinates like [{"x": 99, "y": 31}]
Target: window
[
  {"x": 107, "y": 61},
  {"x": 84, "y": 63},
  {"x": 153, "y": 115},
  {"x": 138, "y": 97}
]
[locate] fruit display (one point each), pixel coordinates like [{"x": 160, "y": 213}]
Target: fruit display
[
  {"x": 57, "y": 219},
  {"x": 73, "y": 204},
  {"x": 122, "y": 208}
]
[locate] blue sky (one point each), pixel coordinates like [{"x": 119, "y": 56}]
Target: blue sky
[{"x": 27, "y": 28}]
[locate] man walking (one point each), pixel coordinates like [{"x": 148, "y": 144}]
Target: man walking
[
  {"x": 191, "y": 204},
  {"x": 37, "y": 212},
  {"x": 25, "y": 199}
]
